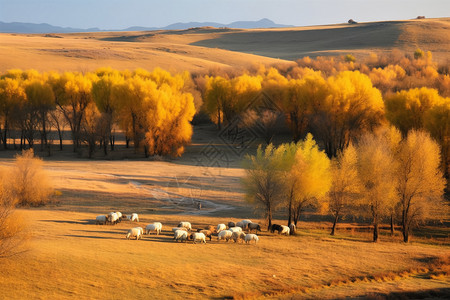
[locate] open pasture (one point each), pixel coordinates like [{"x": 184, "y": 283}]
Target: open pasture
[{"x": 69, "y": 256}]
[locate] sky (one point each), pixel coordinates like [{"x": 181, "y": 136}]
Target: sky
[{"x": 120, "y": 14}]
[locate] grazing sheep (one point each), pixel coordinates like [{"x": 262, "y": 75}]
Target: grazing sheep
[
  {"x": 180, "y": 235},
  {"x": 238, "y": 236},
  {"x": 221, "y": 227},
  {"x": 240, "y": 224},
  {"x": 135, "y": 232},
  {"x": 253, "y": 226},
  {"x": 134, "y": 217},
  {"x": 198, "y": 236},
  {"x": 292, "y": 228},
  {"x": 235, "y": 229},
  {"x": 206, "y": 232},
  {"x": 119, "y": 216},
  {"x": 285, "y": 230},
  {"x": 245, "y": 223},
  {"x": 211, "y": 227},
  {"x": 112, "y": 218},
  {"x": 224, "y": 235},
  {"x": 186, "y": 225},
  {"x": 101, "y": 220},
  {"x": 153, "y": 227},
  {"x": 178, "y": 228},
  {"x": 231, "y": 224},
  {"x": 251, "y": 237},
  {"x": 276, "y": 227}
]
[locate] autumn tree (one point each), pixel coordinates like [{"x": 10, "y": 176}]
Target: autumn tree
[
  {"x": 40, "y": 100},
  {"x": 420, "y": 183},
  {"x": 406, "y": 109},
  {"x": 344, "y": 190},
  {"x": 310, "y": 177},
  {"x": 11, "y": 226},
  {"x": 73, "y": 95},
  {"x": 300, "y": 98},
  {"x": 102, "y": 90},
  {"x": 216, "y": 94},
  {"x": 376, "y": 168},
  {"x": 263, "y": 181},
  {"x": 351, "y": 108},
  {"x": 12, "y": 97},
  {"x": 437, "y": 123},
  {"x": 30, "y": 184}
]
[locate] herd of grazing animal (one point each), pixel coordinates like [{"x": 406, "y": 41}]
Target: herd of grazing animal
[{"x": 184, "y": 232}]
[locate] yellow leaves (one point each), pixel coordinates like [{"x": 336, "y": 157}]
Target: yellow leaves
[
  {"x": 406, "y": 109},
  {"x": 311, "y": 170}
]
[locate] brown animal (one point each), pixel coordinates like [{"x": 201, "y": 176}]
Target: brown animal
[{"x": 206, "y": 232}]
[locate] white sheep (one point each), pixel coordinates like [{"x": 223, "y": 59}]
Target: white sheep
[
  {"x": 198, "y": 236},
  {"x": 101, "y": 219},
  {"x": 235, "y": 229},
  {"x": 292, "y": 228},
  {"x": 221, "y": 227},
  {"x": 157, "y": 226},
  {"x": 135, "y": 232},
  {"x": 186, "y": 225},
  {"x": 245, "y": 223},
  {"x": 285, "y": 230},
  {"x": 251, "y": 237},
  {"x": 134, "y": 217},
  {"x": 178, "y": 228},
  {"x": 180, "y": 235},
  {"x": 236, "y": 236},
  {"x": 113, "y": 218},
  {"x": 119, "y": 216},
  {"x": 224, "y": 235}
]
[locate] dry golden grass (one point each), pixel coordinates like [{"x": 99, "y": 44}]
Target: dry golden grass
[
  {"x": 208, "y": 48},
  {"x": 69, "y": 256}
]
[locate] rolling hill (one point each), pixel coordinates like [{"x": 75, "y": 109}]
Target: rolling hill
[{"x": 204, "y": 48}]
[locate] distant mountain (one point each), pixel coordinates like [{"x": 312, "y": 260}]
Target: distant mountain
[{"x": 17, "y": 27}]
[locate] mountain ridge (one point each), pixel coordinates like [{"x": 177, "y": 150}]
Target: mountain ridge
[{"x": 42, "y": 28}]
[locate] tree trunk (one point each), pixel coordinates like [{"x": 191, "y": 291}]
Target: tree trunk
[
  {"x": 269, "y": 216},
  {"x": 392, "y": 224},
  {"x": 290, "y": 208},
  {"x": 405, "y": 236},
  {"x": 336, "y": 217},
  {"x": 375, "y": 232},
  {"x": 218, "y": 118},
  {"x": 5, "y": 144}
]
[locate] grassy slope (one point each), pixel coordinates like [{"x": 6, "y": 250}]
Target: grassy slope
[{"x": 203, "y": 49}]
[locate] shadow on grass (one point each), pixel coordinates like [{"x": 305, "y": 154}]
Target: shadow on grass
[
  {"x": 440, "y": 293},
  {"x": 82, "y": 222},
  {"x": 90, "y": 237}
]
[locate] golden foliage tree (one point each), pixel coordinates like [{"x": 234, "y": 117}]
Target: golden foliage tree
[
  {"x": 11, "y": 226},
  {"x": 376, "y": 175},
  {"x": 344, "y": 190},
  {"x": 263, "y": 181},
  {"x": 352, "y": 107},
  {"x": 310, "y": 177},
  {"x": 406, "y": 109},
  {"x": 12, "y": 97},
  {"x": 420, "y": 183},
  {"x": 29, "y": 183}
]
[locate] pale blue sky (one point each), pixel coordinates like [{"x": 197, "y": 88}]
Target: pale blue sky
[{"x": 119, "y": 14}]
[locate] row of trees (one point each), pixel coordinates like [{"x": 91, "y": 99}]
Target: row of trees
[
  {"x": 336, "y": 109},
  {"x": 154, "y": 109},
  {"x": 383, "y": 176}
]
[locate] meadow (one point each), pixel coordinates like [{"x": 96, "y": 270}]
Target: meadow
[{"x": 68, "y": 255}]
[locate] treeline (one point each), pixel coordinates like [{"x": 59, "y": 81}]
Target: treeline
[
  {"x": 381, "y": 177},
  {"x": 154, "y": 109},
  {"x": 337, "y": 99}
]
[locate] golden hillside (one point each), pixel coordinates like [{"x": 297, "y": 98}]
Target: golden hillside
[{"x": 205, "y": 48}]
